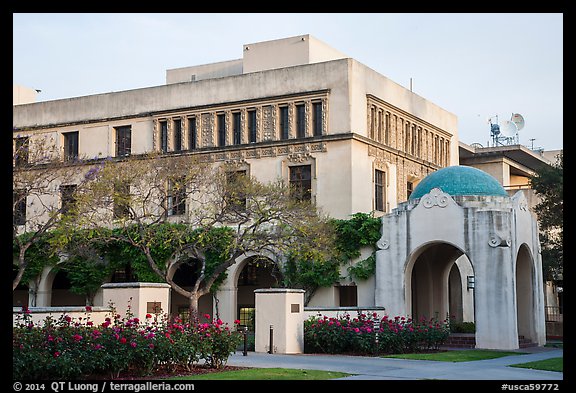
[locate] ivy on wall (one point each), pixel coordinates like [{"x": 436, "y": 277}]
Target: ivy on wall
[{"x": 91, "y": 262}]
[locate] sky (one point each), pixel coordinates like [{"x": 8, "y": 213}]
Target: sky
[{"x": 482, "y": 67}]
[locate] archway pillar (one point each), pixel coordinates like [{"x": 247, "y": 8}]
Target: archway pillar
[
  {"x": 390, "y": 291},
  {"x": 226, "y": 296},
  {"x": 44, "y": 289},
  {"x": 496, "y": 320}
]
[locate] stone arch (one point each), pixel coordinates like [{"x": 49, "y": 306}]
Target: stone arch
[
  {"x": 525, "y": 279},
  {"x": 61, "y": 295},
  {"x": 228, "y": 296},
  {"x": 430, "y": 273}
]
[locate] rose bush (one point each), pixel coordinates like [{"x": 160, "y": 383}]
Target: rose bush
[
  {"x": 369, "y": 334},
  {"x": 73, "y": 349}
]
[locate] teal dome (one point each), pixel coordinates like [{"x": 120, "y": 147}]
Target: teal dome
[{"x": 459, "y": 180}]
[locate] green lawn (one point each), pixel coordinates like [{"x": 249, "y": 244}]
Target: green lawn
[
  {"x": 552, "y": 364},
  {"x": 266, "y": 374},
  {"x": 467, "y": 355}
]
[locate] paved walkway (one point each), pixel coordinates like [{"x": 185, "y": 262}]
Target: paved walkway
[{"x": 376, "y": 368}]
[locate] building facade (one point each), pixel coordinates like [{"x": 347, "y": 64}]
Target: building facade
[{"x": 292, "y": 109}]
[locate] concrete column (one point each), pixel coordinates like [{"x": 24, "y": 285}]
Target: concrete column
[
  {"x": 495, "y": 307},
  {"x": 227, "y": 303},
  {"x": 283, "y": 309},
  {"x": 44, "y": 289}
]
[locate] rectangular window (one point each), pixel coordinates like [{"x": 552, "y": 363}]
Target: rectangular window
[
  {"x": 192, "y": 131},
  {"x": 317, "y": 120},
  {"x": 300, "y": 121},
  {"x": 379, "y": 190},
  {"x": 237, "y": 128},
  {"x": 409, "y": 188},
  {"x": 19, "y": 207},
  {"x": 123, "y": 141},
  {"x": 67, "y": 197},
  {"x": 252, "y": 125},
  {"x": 301, "y": 182},
  {"x": 121, "y": 200},
  {"x": 284, "y": 126},
  {"x": 21, "y": 151},
  {"x": 164, "y": 136},
  {"x": 71, "y": 146},
  {"x": 372, "y": 122},
  {"x": 348, "y": 296},
  {"x": 246, "y": 316},
  {"x": 177, "y": 135},
  {"x": 222, "y": 130},
  {"x": 176, "y": 198},
  {"x": 235, "y": 196}
]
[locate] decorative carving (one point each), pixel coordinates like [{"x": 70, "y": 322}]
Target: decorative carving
[
  {"x": 383, "y": 244},
  {"x": 243, "y": 126},
  {"x": 283, "y": 150},
  {"x": 207, "y": 130},
  {"x": 220, "y": 156},
  {"x": 291, "y": 121},
  {"x": 498, "y": 241},
  {"x": 156, "y": 135},
  {"x": 267, "y": 122},
  {"x": 308, "y": 116},
  {"x": 253, "y": 153},
  {"x": 436, "y": 197},
  {"x": 237, "y": 155},
  {"x": 300, "y": 157},
  {"x": 170, "y": 134},
  {"x": 235, "y": 164},
  {"x": 258, "y": 124},
  {"x": 320, "y": 146},
  {"x": 304, "y": 148},
  {"x": 184, "y": 132},
  {"x": 324, "y": 116},
  {"x": 268, "y": 152}
]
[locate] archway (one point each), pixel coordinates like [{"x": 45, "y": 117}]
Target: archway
[
  {"x": 257, "y": 272},
  {"x": 61, "y": 294},
  {"x": 20, "y": 294},
  {"x": 435, "y": 282},
  {"x": 525, "y": 302}
]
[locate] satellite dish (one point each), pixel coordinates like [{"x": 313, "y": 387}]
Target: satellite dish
[
  {"x": 518, "y": 120},
  {"x": 476, "y": 145},
  {"x": 508, "y": 128}
]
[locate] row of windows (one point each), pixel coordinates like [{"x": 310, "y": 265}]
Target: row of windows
[
  {"x": 123, "y": 134},
  {"x": 71, "y": 140},
  {"x": 300, "y": 180},
  {"x": 394, "y": 131},
  {"x": 190, "y": 131}
]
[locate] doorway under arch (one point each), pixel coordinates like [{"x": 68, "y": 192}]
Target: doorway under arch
[
  {"x": 258, "y": 272},
  {"x": 61, "y": 294},
  {"x": 525, "y": 302},
  {"x": 436, "y": 280}
]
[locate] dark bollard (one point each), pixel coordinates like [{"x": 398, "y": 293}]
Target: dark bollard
[
  {"x": 271, "y": 339},
  {"x": 245, "y": 352}
]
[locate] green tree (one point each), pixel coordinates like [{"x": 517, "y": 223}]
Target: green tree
[
  {"x": 220, "y": 217},
  {"x": 310, "y": 270},
  {"x": 547, "y": 183}
]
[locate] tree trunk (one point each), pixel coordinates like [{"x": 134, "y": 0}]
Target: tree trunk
[{"x": 194, "y": 317}]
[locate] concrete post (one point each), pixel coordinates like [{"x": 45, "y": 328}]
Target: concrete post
[{"x": 283, "y": 309}]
